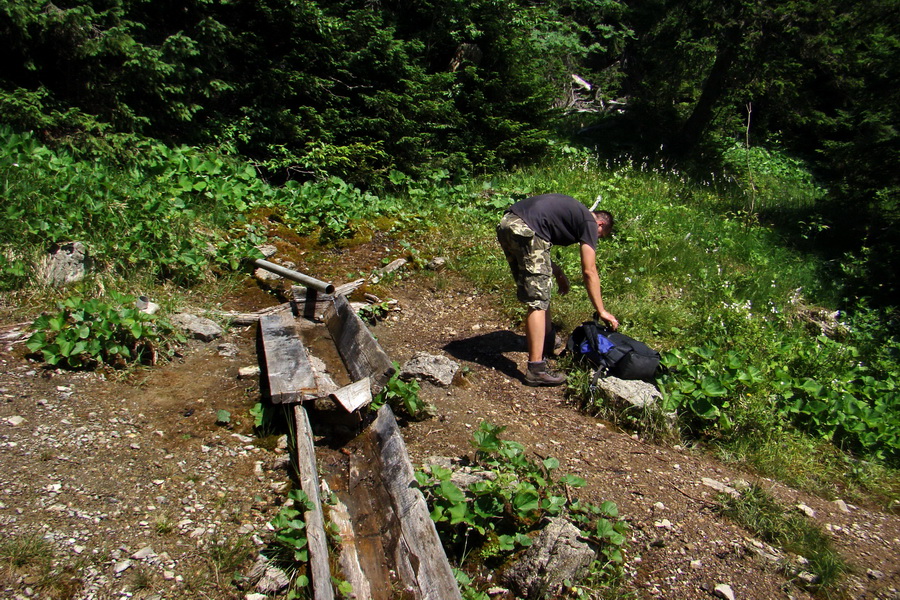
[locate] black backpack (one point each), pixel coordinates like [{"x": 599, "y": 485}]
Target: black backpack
[{"x": 613, "y": 353}]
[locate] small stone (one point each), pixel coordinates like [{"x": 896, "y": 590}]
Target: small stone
[
  {"x": 663, "y": 524},
  {"x": 198, "y": 327},
  {"x": 809, "y": 512},
  {"x": 15, "y": 421},
  {"x": 227, "y": 349},
  {"x": 437, "y": 263},
  {"x": 741, "y": 485},
  {"x": 121, "y": 566},
  {"x": 808, "y": 578},
  {"x": 168, "y": 575},
  {"x": 248, "y": 372},
  {"x": 842, "y": 506},
  {"x": 273, "y": 581},
  {"x": 723, "y": 590},
  {"x": 873, "y": 574},
  {"x": 268, "y": 250},
  {"x": 720, "y": 487},
  {"x": 143, "y": 553}
]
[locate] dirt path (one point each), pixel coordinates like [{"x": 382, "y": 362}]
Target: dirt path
[
  {"x": 681, "y": 546},
  {"x": 138, "y": 492}
]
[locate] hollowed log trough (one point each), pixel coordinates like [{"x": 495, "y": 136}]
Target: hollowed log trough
[{"x": 389, "y": 546}]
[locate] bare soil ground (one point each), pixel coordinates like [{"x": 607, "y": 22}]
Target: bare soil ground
[{"x": 126, "y": 487}]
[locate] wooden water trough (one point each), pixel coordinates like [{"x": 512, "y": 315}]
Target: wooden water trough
[{"x": 389, "y": 546}]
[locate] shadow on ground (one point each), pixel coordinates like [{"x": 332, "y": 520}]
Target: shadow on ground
[{"x": 489, "y": 350}]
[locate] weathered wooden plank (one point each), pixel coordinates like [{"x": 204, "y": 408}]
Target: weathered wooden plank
[
  {"x": 320, "y": 572},
  {"x": 310, "y": 303},
  {"x": 289, "y": 372},
  {"x": 361, "y": 353},
  {"x": 420, "y": 558},
  {"x": 243, "y": 319},
  {"x": 348, "y": 558},
  {"x": 355, "y": 395}
]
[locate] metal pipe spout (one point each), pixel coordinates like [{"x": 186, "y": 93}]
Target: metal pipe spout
[{"x": 312, "y": 282}]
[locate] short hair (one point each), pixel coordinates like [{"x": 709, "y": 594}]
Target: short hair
[{"x": 605, "y": 216}]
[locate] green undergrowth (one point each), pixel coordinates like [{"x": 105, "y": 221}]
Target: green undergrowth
[
  {"x": 87, "y": 333},
  {"x": 701, "y": 269},
  {"x": 485, "y": 523}
]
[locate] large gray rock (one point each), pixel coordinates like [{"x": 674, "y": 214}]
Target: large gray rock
[
  {"x": 624, "y": 393},
  {"x": 66, "y": 263},
  {"x": 557, "y": 556},
  {"x": 635, "y": 396},
  {"x": 435, "y": 369},
  {"x": 199, "y": 328}
]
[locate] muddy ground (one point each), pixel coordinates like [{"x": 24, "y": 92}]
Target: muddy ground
[{"x": 125, "y": 486}]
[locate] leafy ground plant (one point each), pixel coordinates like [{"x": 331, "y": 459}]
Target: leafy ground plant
[
  {"x": 85, "y": 333},
  {"x": 290, "y": 546},
  {"x": 402, "y": 396},
  {"x": 499, "y": 514}
]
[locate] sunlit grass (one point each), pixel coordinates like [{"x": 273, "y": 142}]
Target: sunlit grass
[{"x": 791, "y": 531}]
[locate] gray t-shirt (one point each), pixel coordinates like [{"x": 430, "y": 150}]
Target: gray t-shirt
[{"x": 561, "y": 220}]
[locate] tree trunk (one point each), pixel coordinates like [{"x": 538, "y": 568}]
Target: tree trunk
[{"x": 713, "y": 88}]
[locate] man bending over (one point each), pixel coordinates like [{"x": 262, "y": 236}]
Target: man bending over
[{"x": 526, "y": 233}]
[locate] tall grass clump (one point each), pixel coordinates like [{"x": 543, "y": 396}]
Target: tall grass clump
[{"x": 759, "y": 512}]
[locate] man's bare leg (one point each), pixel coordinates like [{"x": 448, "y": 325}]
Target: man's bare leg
[{"x": 537, "y": 324}]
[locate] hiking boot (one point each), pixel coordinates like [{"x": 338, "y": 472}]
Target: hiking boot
[{"x": 538, "y": 374}]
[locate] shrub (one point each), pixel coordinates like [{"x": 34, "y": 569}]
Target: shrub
[{"x": 86, "y": 333}]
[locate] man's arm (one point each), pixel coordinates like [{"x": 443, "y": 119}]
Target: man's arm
[{"x": 592, "y": 283}]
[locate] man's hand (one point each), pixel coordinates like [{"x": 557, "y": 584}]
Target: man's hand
[
  {"x": 609, "y": 318},
  {"x": 562, "y": 282}
]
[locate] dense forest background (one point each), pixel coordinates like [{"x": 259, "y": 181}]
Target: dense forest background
[{"x": 311, "y": 89}]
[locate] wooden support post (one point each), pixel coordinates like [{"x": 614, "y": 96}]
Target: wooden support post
[
  {"x": 320, "y": 571},
  {"x": 312, "y": 304},
  {"x": 290, "y": 374}
]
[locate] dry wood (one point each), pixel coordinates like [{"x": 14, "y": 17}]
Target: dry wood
[
  {"x": 388, "y": 269},
  {"x": 420, "y": 557},
  {"x": 348, "y": 557},
  {"x": 320, "y": 572},
  {"x": 287, "y": 366},
  {"x": 312, "y": 304},
  {"x": 243, "y": 319},
  {"x": 361, "y": 353},
  {"x": 355, "y": 395}
]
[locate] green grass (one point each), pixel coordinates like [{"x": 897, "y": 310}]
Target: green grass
[
  {"x": 792, "y": 532},
  {"x": 26, "y": 549},
  {"x": 34, "y": 557}
]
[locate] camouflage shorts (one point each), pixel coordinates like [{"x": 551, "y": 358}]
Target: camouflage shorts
[{"x": 529, "y": 260}]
